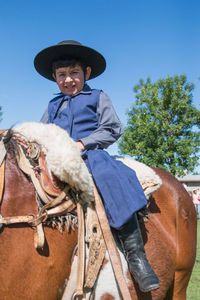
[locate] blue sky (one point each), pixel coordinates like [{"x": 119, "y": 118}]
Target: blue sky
[{"x": 145, "y": 38}]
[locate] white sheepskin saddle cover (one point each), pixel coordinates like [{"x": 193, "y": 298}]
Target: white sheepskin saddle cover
[
  {"x": 64, "y": 159},
  {"x": 62, "y": 155}
]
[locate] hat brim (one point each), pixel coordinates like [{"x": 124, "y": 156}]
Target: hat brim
[{"x": 44, "y": 59}]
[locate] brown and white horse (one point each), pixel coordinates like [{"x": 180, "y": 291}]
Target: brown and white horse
[{"x": 27, "y": 274}]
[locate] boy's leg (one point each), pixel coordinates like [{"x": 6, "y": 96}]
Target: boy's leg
[{"x": 133, "y": 247}]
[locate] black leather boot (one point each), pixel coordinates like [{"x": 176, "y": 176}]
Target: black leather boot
[{"x": 132, "y": 244}]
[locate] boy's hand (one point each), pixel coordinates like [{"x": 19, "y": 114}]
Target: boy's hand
[{"x": 80, "y": 145}]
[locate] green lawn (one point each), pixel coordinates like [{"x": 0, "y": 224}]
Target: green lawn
[{"x": 193, "y": 291}]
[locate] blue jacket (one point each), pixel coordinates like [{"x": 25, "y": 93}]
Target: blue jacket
[
  {"x": 79, "y": 118},
  {"x": 109, "y": 128}
]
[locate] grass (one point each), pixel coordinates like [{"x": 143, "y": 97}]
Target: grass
[{"x": 193, "y": 290}]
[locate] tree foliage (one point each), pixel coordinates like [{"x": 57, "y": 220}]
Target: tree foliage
[{"x": 163, "y": 125}]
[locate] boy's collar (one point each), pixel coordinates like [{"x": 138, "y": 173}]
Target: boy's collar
[{"x": 86, "y": 89}]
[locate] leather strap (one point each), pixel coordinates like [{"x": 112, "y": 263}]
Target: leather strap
[
  {"x": 97, "y": 247},
  {"x": 39, "y": 238},
  {"x": 111, "y": 246},
  {"x": 81, "y": 254},
  {"x": 56, "y": 201},
  {"x": 25, "y": 166}
]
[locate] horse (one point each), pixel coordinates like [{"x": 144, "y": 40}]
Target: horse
[{"x": 26, "y": 273}]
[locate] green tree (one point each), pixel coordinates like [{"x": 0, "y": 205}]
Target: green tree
[{"x": 163, "y": 125}]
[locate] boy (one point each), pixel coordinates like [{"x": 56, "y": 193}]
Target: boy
[{"x": 89, "y": 118}]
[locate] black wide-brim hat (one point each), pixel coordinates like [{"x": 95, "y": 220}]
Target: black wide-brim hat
[{"x": 45, "y": 58}]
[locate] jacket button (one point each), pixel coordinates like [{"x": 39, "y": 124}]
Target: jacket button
[{"x": 59, "y": 116}]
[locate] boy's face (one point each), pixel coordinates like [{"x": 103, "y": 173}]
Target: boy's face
[{"x": 71, "y": 79}]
